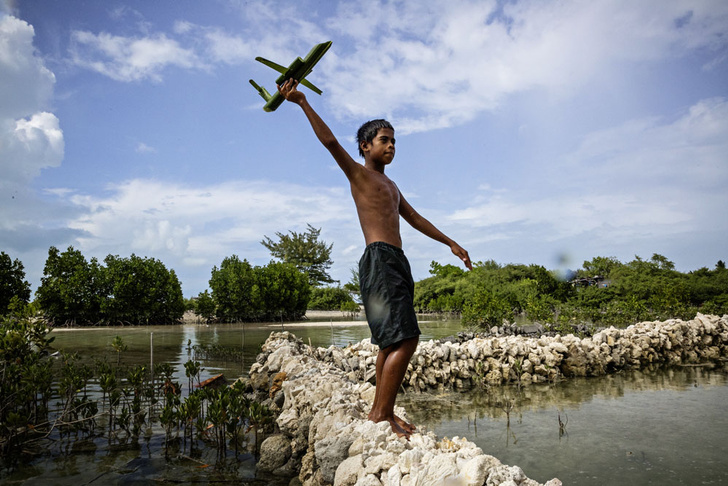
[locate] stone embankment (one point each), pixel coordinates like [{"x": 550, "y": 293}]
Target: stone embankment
[
  {"x": 324, "y": 396},
  {"x": 520, "y": 359}
]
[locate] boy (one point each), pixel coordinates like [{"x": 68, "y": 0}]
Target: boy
[{"x": 385, "y": 277}]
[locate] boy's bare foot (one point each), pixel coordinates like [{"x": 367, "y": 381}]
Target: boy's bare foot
[
  {"x": 401, "y": 431},
  {"x": 409, "y": 428}
]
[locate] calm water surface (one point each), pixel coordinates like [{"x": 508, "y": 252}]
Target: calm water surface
[
  {"x": 665, "y": 427},
  {"x": 174, "y": 344}
]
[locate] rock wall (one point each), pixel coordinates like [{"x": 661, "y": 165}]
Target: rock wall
[
  {"x": 324, "y": 397},
  {"x": 498, "y": 360}
]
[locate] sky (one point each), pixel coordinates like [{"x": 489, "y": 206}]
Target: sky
[{"x": 529, "y": 131}]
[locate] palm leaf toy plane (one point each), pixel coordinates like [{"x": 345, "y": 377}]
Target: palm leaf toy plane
[{"x": 298, "y": 70}]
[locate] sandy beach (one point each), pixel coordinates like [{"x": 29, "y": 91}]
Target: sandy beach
[{"x": 314, "y": 318}]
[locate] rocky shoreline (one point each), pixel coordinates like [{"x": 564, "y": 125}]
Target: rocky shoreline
[{"x": 323, "y": 396}]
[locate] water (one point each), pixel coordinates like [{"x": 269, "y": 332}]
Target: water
[
  {"x": 663, "y": 427},
  {"x": 174, "y": 344}
]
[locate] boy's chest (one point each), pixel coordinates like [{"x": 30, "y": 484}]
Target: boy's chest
[{"x": 377, "y": 190}]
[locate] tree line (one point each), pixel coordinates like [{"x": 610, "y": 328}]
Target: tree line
[
  {"x": 135, "y": 290},
  {"x": 131, "y": 290},
  {"x": 138, "y": 290},
  {"x": 604, "y": 291}
]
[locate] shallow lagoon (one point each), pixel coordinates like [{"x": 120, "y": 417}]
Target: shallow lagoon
[
  {"x": 651, "y": 427},
  {"x": 664, "y": 427}
]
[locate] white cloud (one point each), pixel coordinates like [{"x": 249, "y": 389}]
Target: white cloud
[
  {"x": 30, "y": 137},
  {"x": 191, "y": 228},
  {"x": 428, "y": 66},
  {"x": 143, "y": 148},
  {"x": 270, "y": 30},
  {"x": 687, "y": 154},
  {"x": 131, "y": 58},
  {"x": 31, "y": 145},
  {"x": 201, "y": 224},
  {"x": 26, "y": 83},
  {"x": 644, "y": 177}
]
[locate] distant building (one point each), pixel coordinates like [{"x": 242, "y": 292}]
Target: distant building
[{"x": 597, "y": 281}]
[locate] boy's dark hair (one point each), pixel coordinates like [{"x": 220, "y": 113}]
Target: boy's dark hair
[{"x": 368, "y": 131}]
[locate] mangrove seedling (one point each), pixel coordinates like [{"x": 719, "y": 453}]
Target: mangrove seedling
[
  {"x": 562, "y": 425},
  {"x": 192, "y": 370},
  {"x": 119, "y": 346}
]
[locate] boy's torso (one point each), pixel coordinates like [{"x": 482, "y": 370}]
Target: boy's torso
[{"x": 377, "y": 203}]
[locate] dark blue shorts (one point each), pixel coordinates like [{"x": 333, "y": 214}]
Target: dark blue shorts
[{"x": 387, "y": 291}]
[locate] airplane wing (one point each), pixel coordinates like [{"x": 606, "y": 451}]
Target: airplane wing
[
  {"x": 310, "y": 86},
  {"x": 271, "y": 64}
]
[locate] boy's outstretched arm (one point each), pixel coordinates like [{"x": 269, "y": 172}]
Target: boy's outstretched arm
[
  {"x": 422, "y": 225},
  {"x": 322, "y": 131}
]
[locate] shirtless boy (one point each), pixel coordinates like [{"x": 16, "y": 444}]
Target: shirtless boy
[{"x": 384, "y": 273}]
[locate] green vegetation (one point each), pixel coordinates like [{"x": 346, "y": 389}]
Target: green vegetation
[
  {"x": 205, "y": 306},
  {"x": 332, "y": 298},
  {"x": 135, "y": 290},
  {"x": 605, "y": 292},
  {"x": 352, "y": 285},
  {"x": 50, "y": 403},
  {"x": 241, "y": 292},
  {"x": 305, "y": 252},
  {"x": 130, "y": 290},
  {"x": 13, "y": 286}
]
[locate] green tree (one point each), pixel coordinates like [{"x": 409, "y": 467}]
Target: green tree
[
  {"x": 133, "y": 290},
  {"x": 330, "y": 298},
  {"x": 708, "y": 289},
  {"x": 602, "y": 266},
  {"x": 244, "y": 293},
  {"x": 445, "y": 271},
  {"x": 232, "y": 288},
  {"x": 12, "y": 282},
  {"x": 305, "y": 252},
  {"x": 444, "y": 291},
  {"x": 190, "y": 304},
  {"x": 141, "y": 291},
  {"x": 71, "y": 289},
  {"x": 205, "y": 305},
  {"x": 486, "y": 309},
  {"x": 283, "y": 292},
  {"x": 353, "y": 284}
]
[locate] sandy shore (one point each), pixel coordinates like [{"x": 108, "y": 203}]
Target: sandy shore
[{"x": 314, "y": 318}]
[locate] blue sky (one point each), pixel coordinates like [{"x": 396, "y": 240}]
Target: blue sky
[{"x": 528, "y": 131}]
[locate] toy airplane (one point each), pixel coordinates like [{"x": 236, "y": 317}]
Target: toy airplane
[{"x": 298, "y": 70}]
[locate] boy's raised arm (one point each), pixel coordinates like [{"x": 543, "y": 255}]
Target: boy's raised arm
[{"x": 322, "y": 131}]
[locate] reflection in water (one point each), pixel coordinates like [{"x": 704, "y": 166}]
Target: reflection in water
[
  {"x": 635, "y": 427},
  {"x": 568, "y": 394},
  {"x": 174, "y": 344},
  {"x": 658, "y": 427}
]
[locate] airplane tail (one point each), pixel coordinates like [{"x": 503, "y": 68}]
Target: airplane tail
[{"x": 261, "y": 91}]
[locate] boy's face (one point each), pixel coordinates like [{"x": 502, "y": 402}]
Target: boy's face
[{"x": 381, "y": 148}]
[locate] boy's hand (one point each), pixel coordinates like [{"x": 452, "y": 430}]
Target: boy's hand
[
  {"x": 289, "y": 92},
  {"x": 460, "y": 252}
]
